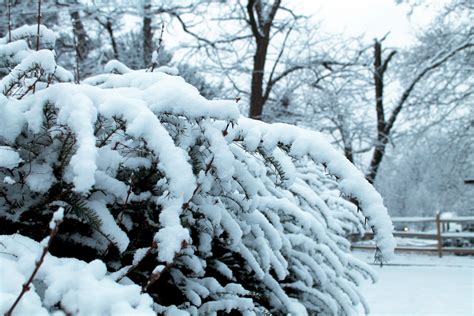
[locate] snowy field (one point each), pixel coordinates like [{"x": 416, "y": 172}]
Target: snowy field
[{"x": 415, "y": 284}]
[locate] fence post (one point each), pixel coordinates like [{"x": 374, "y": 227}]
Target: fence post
[{"x": 438, "y": 235}]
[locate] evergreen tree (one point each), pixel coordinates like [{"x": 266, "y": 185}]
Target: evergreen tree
[{"x": 207, "y": 211}]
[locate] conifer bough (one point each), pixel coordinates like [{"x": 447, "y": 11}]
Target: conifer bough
[{"x": 240, "y": 215}]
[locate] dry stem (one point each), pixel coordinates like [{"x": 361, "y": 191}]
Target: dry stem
[{"x": 26, "y": 286}]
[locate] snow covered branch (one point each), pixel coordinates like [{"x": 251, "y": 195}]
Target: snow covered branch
[
  {"x": 232, "y": 207},
  {"x": 46, "y": 243}
]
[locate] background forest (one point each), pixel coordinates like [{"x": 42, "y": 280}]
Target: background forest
[{"x": 403, "y": 115}]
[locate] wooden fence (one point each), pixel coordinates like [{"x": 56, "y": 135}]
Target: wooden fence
[{"x": 442, "y": 233}]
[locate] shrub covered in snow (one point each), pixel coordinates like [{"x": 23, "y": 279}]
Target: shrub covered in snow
[{"x": 171, "y": 198}]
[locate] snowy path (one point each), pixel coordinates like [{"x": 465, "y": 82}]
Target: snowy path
[{"x": 422, "y": 285}]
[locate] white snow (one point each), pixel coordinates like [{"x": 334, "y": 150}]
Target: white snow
[
  {"x": 40, "y": 177},
  {"x": 43, "y": 59},
  {"x": 260, "y": 190},
  {"x": 109, "y": 226},
  {"x": 12, "y": 53},
  {"x": 8, "y": 180},
  {"x": 82, "y": 288},
  {"x": 421, "y": 285},
  {"x": 47, "y": 36},
  {"x": 12, "y": 118},
  {"x": 154, "y": 57},
  {"x": 114, "y": 66},
  {"x": 352, "y": 181},
  {"x": 78, "y": 112},
  {"x": 9, "y": 158},
  {"x": 57, "y": 218}
]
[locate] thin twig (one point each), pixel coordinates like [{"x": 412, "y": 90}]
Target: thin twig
[
  {"x": 134, "y": 266},
  {"x": 30, "y": 88},
  {"x": 160, "y": 41},
  {"x": 54, "y": 226},
  {"x": 157, "y": 275},
  {"x": 104, "y": 141},
  {"x": 64, "y": 310}
]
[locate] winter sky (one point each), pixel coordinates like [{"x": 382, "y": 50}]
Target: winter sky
[{"x": 374, "y": 18}]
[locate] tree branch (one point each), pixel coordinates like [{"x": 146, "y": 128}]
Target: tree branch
[
  {"x": 253, "y": 22},
  {"x": 423, "y": 73},
  {"x": 54, "y": 226},
  {"x": 270, "y": 78},
  {"x": 387, "y": 60}
]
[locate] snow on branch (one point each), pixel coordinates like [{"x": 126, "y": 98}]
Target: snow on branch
[
  {"x": 351, "y": 181},
  {"x": 69, "y": 283},
  {"x": 241, "y": 215},
  {"x": 47, "y": 36},
  {"x": 46, "y": 243}
]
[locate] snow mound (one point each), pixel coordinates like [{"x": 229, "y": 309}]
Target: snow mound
[{"x": 63, "y": 284}]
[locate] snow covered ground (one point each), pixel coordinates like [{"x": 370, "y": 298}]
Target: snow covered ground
[{"x": 415, "y": 284}]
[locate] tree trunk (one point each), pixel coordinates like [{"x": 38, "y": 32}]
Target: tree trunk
[
  {"x": 256, "y": 93},
  {"x": 110, "y": 30},
  {"x": 82, "y": 40},
  {"x": 147, "y": 34},
  {"x": 261, "y": 24},
  {"x": 348, "y": 152},
  {"x": 380, "y": 66},
  {"x": 377, "y": 157},
  {"x": 381, "y": 137}
]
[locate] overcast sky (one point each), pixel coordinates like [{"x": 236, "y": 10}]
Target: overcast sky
[{"x": 371, "y": 17}]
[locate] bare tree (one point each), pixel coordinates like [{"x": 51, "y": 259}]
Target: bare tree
[
  {"x": 441, "y": 56},
  {"x": 261, "y": 16},
  {"x": 264, "y": 40},
  {"x": 380, "y": 67}
]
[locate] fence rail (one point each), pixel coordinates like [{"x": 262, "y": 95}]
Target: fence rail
[{"x": 440, "y": 235}]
